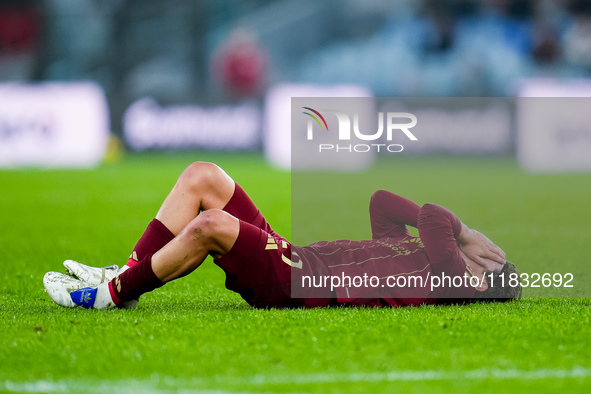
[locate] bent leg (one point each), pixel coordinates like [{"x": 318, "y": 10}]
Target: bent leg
[
  {"x": 180, "y": 238},
  {"x": 212, "y": 232},
  {"x": 200, "y": 187}
]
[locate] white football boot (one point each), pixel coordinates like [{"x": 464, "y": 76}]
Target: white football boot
[
  {"x": 71, "y": 292},
  {"x": 95, "y": 276},
  {"x": 59, "y": 287}
]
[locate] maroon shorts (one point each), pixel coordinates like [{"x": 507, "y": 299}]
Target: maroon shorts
[{"x": 259, "y": 265}]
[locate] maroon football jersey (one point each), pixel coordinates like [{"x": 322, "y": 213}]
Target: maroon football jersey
[{"x": 402, "y": 266}]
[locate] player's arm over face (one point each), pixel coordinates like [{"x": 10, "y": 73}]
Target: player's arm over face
[
  {"x": 439, "y": 228},
  {"x": 448, "y": 241},
  {"x": 390, "y": 213}
]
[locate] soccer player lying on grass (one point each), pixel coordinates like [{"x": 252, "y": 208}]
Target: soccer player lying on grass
[{"x": 207, "y": 213}]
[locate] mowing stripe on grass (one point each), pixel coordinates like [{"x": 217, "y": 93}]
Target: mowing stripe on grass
[{"x": 169, "y": 383}]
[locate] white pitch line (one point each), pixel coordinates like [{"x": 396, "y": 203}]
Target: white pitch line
[
  {"x": 171, "y": 384},
  {"x": 401, "y": 376},
  {"x": 106, "y": 386}
]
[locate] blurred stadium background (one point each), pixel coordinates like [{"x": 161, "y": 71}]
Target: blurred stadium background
[{"x": 196, "y": 74}]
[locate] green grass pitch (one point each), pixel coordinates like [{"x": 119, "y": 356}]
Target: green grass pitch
[{"x": 192, "y": 335}]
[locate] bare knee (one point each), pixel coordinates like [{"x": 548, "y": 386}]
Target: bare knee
[
  {"x": 200, "y": 174},
  {"x": 213, "y": 229}
]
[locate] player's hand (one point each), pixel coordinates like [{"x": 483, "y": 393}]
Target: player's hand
[{"x": 481, "y": 250}]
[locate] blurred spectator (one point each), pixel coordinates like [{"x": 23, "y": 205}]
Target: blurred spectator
[
  {"x": 19, "y": 34},
  {"x": 240, "y": 65},
  {"x": 577, "y": 40},
  {"x": 545, "y": 47},
  {"x": 441, "y": 23}
]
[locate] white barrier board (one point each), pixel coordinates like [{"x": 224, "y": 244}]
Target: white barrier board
[
  {"x": 53, "y": 125},
  {"x": 554, "y": 126},
  {"x": 147, "y": 125}
]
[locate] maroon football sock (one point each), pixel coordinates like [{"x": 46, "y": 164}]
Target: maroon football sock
[
  {"x": 152, "y": 240},
  {"x": 134, "y": 282}
]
